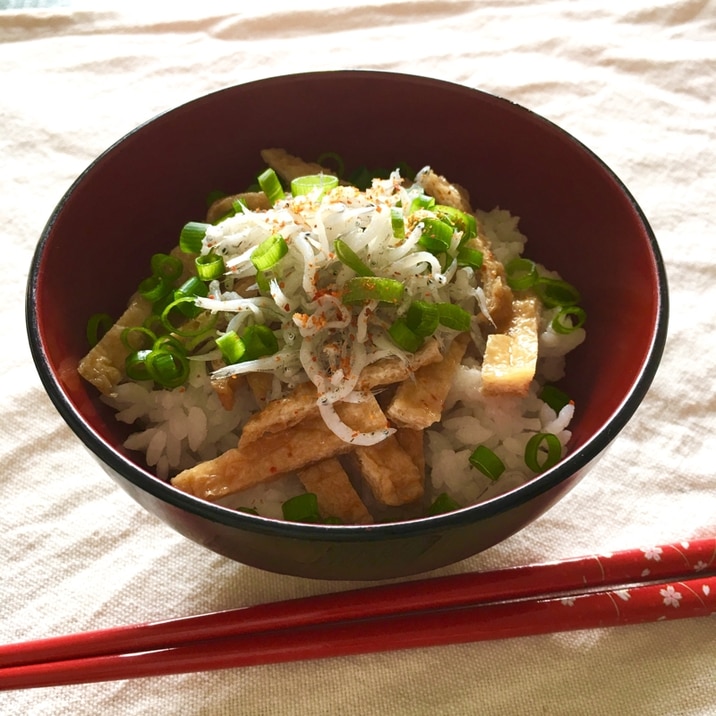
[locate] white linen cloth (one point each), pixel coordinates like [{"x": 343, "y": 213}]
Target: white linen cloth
[{"x": 634, "y": 80}]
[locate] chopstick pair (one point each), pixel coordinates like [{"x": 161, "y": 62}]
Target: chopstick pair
[{"x": 627, "y": 587}]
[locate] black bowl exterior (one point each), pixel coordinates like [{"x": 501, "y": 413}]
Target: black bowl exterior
[{"x": 134, "y": 198}]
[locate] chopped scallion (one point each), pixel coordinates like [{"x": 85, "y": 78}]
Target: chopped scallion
[
  {"x": 231, "y": 346},
  {"x": 259, "y": 341},
  {"x": 309, "y": 183},
  {"x": 467, "y": 256},
  {"x": 170, "y": 369},
  {"x": 271, "y": 186},
  {"x": 421, "y": 201},
  {"x": 397, "y": 222},
  {"x": 97, "y": 325},
  {"x": 191, "y": 237},
  {"x": 302, "y": 508},
  {"x": 209, "y": 266},
  {"x": 166, "y": 266},
  {"x": 568, "y": 319},
  {"x": 443, "y": 503},
  {"x": 332, "y": 159},
  {"x": 135, "y": 338},
  {"x": 350, "y": 258},
  {"x": 191, "y": 288},
  {"x": 269, "y": 252},
  {"x": 453, "y": 316},
  {"x": 154, "y": 288},
  {"x": 556, "y": 292},
  {"x": 184, "y": 305},
  {"x": 369, "y": 288},
  {"x": 403, "y": 337},
  {"x": 461, "y": 220},
  {"x": 436, "y": 236},
  {"x": 422, "y": 318},
  {"x": 487, "y": 462},
  {"x": 554, "y": 397},
  {"x": 543, "y": 450},
  {"x": 521, "y": 274},
  {"x": 135, "y": 365}
]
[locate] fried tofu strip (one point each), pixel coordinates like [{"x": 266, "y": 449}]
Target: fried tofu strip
[
  {"x": 282, "y": 414},
  {"x": 277, "y": 453},
  {"x": 278, "y": 415},
  {"x": 443, "y": 191},
  {"x": 498, "y": 294},
  {"x": 511, "y": 358},
  {"x": 254, "y": 200},
  {"x": 412, "y": 442},
  {"x": 289, "y": 167},
  {"x": 103, "y": 366},
  {"x": 418, "y": 403},
  {"x": 335, "y": 493},
  {"x": 389, "y": 472}
]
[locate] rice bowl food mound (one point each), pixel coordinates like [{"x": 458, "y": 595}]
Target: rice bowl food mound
[{"x": 305, "y": 285}]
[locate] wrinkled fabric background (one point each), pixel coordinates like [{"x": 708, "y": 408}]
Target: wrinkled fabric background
[{"x": 634, "y": 80}]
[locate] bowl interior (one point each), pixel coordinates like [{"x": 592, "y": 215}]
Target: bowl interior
[{"x": 133, "y": 200}]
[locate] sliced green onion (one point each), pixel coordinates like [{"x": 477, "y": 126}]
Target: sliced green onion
[
  {"x": 542, "y": 451},
  {"x": 185, "y": 304},
  {"x": 452, "y": 316},
  {"x": 443, "y": 503},
  {"x": 214, "y": 196},
  {"x": 369, "y": 288},
  {"x": 166, "y": 266},
  {"x": 263, "y": 282},
  {"x": 169, "y": 342},
  {"x": 231, "y": 346},
  {"x": 421, "y": 201},
  {"x": 556, "y": 292},
  {"x": 144, "y": 337},
  {"x": 191, "y": 288},
  {"x": 154, "y": 288},
  {"x": 259, "y": 341},
  {"x": 361, "y": 178},
  {"x": 404, "y": 337},
  {"x": 406, "y": 171},
  {"x": 271, "y": 186},
  {"x": 350, "y": 258},
  {"x": 467, "y": 256},
  {"x": 568, "y": 319},
  {"x": 332, "y": 158},
  {"x": 310, "y": 182},
  {"x": 191, "y": 237},
  {"x": 422, "y": 318},
  {"x": 487, "y": 462},
  {"x": 269, "y": 252},
  {"x": 209, "y": 266},
  {"x": 302, "y": 508},
  {"x": 461, "y": 220},
  {"x": 135, "y": 365},
  {"x": 554, "y": 397},
  {"x": 170, "y": 369},
  {"x": 397, "y": 222},
  {"x": 239, "y": 206},
  {"x": 248, "y": 510},
  {"x": 521, "y": 274},
  {"x": 97, "y": 325},
  {"x": 436, "y": 236}
]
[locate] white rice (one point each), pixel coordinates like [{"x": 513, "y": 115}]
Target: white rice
[{"x": 187, "y": 425}]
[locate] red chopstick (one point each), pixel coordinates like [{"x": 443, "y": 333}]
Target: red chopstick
[{"x": 628, "y": 587}]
